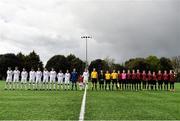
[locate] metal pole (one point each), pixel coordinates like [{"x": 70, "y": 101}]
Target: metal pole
[{"x": 86, "y": 54}]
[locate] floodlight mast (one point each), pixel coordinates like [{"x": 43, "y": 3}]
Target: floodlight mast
[{"x": 86, "y": 38}]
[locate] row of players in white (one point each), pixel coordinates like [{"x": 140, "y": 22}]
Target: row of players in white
[{"x": 12, "y": 80}]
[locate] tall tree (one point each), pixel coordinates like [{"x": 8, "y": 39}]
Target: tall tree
[
  {"x": 153, "y": 61},
  {"x": 176, "y": 63},
  {"x": 99, "y": 65},
  {"x": 8, "y": 60},
  {"x": 58, "y": 62},
  {"x": 165, "y": 64}
]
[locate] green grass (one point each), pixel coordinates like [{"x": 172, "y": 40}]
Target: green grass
[
  {"x": 39, "y": 105},
  {"x": 100, "y": 105},
  {"x": 143, "y": 105}
]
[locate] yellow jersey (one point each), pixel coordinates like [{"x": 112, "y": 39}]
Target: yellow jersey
[
  {"x": 107, "y": 76},
  {"x": 114, "y": 75},
  {"x": 94, "y": 75}
]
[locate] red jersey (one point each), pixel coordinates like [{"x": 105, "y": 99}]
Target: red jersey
[
  {"x": 134, "y": 76},
  {"x": 165, "y": 77},
  {"x": 128, "y": 76},
  {"x": 119, "y": 77},
  {"x": 172, "y": 77},
  {"x": 154, "y": 77},
  {"x": 159, "y": 76},
  {"x": 80, "y": 79},
  {"x": 144, "y": 76},
  {"x": 138, "y": 76},
  {"x": 149, "y": 77}
]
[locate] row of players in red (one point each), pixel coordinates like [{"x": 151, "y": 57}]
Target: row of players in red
[{"x": 165, "y": 76}]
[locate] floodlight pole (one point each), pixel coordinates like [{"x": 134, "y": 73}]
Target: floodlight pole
[{"x": 86, "y": 38}]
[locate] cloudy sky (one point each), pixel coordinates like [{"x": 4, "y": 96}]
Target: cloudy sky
[{"x": 121, "y": 29}]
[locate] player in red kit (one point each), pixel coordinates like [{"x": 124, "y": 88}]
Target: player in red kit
[
  {"x": 138, "y": 85},
  {"x": 160, "y": 80},
  {"x": 154, "y": 79},
  {"x": 119, "y": 80},
  {"x": 165, "y": 78},
  {"x": 149, "y": 78},
  {"x": 144, "y": 79},
  {"x": 129, "y": 80},
  {"x": 172, "y": 80},
  {"x": 134, "y": 80}
]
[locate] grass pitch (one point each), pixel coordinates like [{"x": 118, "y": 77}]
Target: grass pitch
[
  {"x": 39, "y": 105},
  {"x": 100, "y": 105},
  {"x": 127, "y": 105}
]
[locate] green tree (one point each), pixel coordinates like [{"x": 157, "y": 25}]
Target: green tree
[
  {"x": 58, "y": 62},
  {"x": 99, "y": 65},
  {"x": 8, "y": 60},
  {"x": 165, "y": 64},
  {"x": 153, "y": 61}
]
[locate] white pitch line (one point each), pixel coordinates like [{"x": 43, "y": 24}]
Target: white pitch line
[{"x": 83, "y": 105}]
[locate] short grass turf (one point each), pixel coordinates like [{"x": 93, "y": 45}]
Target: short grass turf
[
  {"x": 127, "y": 105},
  {"x": 39, "y": 105}
]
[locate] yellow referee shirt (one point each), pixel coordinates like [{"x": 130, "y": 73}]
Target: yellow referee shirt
[
  {"x": 107, "y": 76},
  {"x": 94, "y": 75},
  {"x": 114, "y": 75}
]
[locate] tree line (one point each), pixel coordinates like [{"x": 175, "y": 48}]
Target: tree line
[{"x": 32, "y": 60}]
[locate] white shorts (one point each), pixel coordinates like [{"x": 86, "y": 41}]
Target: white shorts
[
  {"x": 38, "y": 80},
  {"x": 16, "y": 80},
  {"x": 53, "y": 80},
  {"x": 32, "y": 80},
  {"x": 45, "y": 80},
  {"x": 67, "y": 81},
  {"x": 85, "y": 81},
  {"x": 8, "y": 79},
  {"x": 24, "y": 81},
  {"x": 60, "y": 81}
]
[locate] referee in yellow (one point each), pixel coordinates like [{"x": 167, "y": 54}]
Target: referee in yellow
[
  {"x": 94, "y": 77},
  {"x": 114, "y": 77},
  {"x": 108, "y": 80}
]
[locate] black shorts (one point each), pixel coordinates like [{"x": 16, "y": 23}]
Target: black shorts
[
  {"x": 114, "y": 81},
  {"x": 108, "y": 81},
  {"x": 160, "y": 82},
  {"x": 101, "y": 81},
  {"x": 94, "y": 81},
  {"x": 120, "y": 81},
  {"x": 172, "y": 82},
  {"x": 154, "y": 82},
  {"x": 166, "y": 82}
]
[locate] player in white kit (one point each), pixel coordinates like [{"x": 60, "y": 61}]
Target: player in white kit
[
  {"x": 9, "y": 77},
  {"x": 24, "y": 76},
  {"x": 52, "y": 78},
  {"x": 45, "y": 78},
  {"x": 67, "y": 79},
  {"x": 85, "y": 77},
  {"x": 60, "y": 77},
  {"x": 32, "y": 76},
  {"x": 38, "y": 78},
  {"x": 16, "y": 74}
]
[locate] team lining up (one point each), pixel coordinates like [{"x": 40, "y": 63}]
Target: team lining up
[{"x": 107, "y": 81}]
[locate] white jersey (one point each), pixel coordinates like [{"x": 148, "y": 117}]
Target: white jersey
[
  {"x": 45, "y": 76},
  {"x": 52, "y": 74},
  {"x": 32, "y": 76},
  {"x": 67, "y": 77},
  {"x": 60, "y": 77},
  {"x": 24, "y": 76},
  {"x": 85, "y": 76},
  {"x": 9, "y": 76},
  {"x": 38, "y": 75},
  {"x": 16, "y": 74}
]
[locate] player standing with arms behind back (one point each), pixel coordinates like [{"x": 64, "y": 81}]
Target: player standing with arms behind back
[
  {"x": 67, "y": 80},
  {"x": 38, "y": 78},
  {"x": 52, "y": 79},
  {"x": 74, "y": 79},
  {"x": 60, "y": 77},
  {"x": 9, "y": 77},
  {"x": 94, "y": 77},
  {"x": 32, "y": 77},
  {"x": 24, "y": 76},
  {"x": 45, "y": 79},
  {"x": 16, "y": 74},
  {"x": 172, "y": 80}
]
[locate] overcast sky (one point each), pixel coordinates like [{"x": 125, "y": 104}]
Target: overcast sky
[{"x": 121, "y": 29}]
